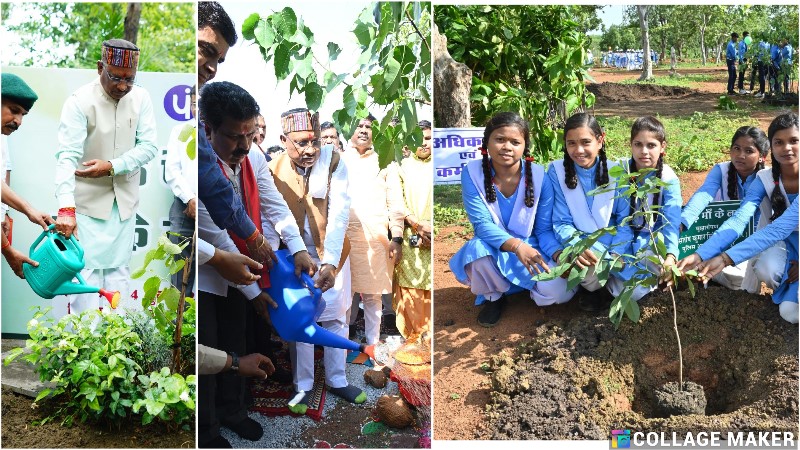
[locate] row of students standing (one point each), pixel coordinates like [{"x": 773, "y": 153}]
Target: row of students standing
[{"x": 523, "y": 217}]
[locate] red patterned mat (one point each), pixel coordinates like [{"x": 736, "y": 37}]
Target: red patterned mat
[{"x": 271, "y": 398}]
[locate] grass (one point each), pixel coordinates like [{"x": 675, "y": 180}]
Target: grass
[
  {"x": 694, "y": 143},
  {"x": 448, "y": 207},
  {"x": 686, "y": 81}
]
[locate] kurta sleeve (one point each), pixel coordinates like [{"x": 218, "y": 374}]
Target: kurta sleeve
[
  {"x": 702, "y": 197},
  {"x": 733, "y": 227},
  {"x": 478, "y": 214},
  {"x": 394, "y": 200},
  {"x": 562, "y": 217},
  {"x": 72, "y": 134},
  {"x": 173, "y": 175},
  {"x": 145, "y": 148},
  {"x": 338, "y": 215}
]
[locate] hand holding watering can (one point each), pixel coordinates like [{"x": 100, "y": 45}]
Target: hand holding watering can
[{"x": 60, "y": 261}]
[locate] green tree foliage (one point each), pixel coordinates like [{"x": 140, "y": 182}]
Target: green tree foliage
[
  {"x": 393, "y": 69},
  {"x": 620, "y": 37},
  {"x": 526, "y": 59},
  {"x": 70, "y": 34}
]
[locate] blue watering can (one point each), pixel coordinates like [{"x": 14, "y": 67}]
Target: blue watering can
[
  {"x": 299, "y": 306},
  {"x": 60, "y": 261}
]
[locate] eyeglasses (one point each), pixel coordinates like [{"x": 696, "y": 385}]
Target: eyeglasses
[
  {"x": 304, "y": 144},
  {"x": 118, "y": 80}
]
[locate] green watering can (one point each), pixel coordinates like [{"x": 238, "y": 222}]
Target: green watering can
[{"x": 60, "y": 261}]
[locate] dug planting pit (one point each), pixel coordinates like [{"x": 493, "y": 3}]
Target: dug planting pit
[{"x": 581, "y": 380}]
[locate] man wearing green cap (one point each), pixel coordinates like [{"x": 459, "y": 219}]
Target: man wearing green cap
[
  {"x": 17, "y": 99},
  {"x": 107, "y": 134}
]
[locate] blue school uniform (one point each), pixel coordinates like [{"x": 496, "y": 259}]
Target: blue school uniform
[
  {"x": 564, "y": 222},
  {"x": 732, "y": 228},
  {"x": 668, "y": 222},
  {"x": 714, "y": 189},
  {"x": 784, "y": 228},
  {"x": 489, "y": 235}
]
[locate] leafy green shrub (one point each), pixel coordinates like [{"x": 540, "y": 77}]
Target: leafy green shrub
[
  {"x": 726, "y": 103},
  {"x": 91, "y": 359},
  {"x": 155, "y": 348},
  {"x": 168, "y": 397}
]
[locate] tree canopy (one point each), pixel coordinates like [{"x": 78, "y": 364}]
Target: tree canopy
[
  {"x": 526, "y": 59},
  {"x": 71, "y": 34}
]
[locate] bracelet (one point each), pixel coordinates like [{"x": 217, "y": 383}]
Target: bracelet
[
  {"x": 252, "y": 237},
  {"x": 6, "y": 245},
  {"x": 66, "y": 212},
  {"x": 514, "y": 250}
]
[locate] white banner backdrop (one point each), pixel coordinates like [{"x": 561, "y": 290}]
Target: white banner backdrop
[
  {"x": 453, "y": 148},
  {"x": 33, "y": 148}
]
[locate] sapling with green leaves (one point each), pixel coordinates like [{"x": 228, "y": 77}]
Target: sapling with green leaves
[{"x": 646, "y": 265}]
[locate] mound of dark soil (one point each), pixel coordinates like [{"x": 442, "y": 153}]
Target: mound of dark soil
[
  {"x": 615, "y": 92},
  {"x": 583, "y": 379},
  {"x": 671, "y": 400}
]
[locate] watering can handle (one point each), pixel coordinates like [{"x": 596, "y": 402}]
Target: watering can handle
[
  {"x": 309, "y": 283},
  {"x": 50, "y": 228}
]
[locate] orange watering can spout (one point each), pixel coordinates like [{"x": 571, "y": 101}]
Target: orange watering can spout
[
  {"x": 370, "y": 351},
  {"x": 112, "y": 297}
]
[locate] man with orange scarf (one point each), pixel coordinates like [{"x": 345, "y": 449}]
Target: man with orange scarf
[{"x": 229, "y": 116}]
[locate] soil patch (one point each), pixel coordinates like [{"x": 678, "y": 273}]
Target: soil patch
[
  {"x": 579, "y": 378},
  {"x": 18, "y": 430},
  {"x": 614, "y": 92}
]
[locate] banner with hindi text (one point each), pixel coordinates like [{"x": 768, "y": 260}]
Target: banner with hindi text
[{"x": 453, "y": 148}]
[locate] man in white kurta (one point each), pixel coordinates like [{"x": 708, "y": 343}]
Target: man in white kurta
[
  {"x": 375, "y": 198},
  {"x": 313, "y": 181},
  {"x": 106, "y": 135}
]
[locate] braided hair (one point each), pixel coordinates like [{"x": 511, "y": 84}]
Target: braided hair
[
  {"x": 782, "y": 122},
  {"x": 653, "y": 125},
  {"x": 581, "y": 120},
  {"x": 500, "y": 120},
  {"x": 762, "y": 144}
]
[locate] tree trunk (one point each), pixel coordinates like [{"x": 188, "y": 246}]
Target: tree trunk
[
  {"x": 452, "y": 84},
  {"x": 132, "y": 22},
  {"x": 703, "y": 41},
  {"x": 647, "y": 65},
  {"x": 673, "y": 61}
]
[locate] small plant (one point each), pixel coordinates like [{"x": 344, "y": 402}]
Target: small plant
[
  {"x": 170, "y": 397},
  {"x": 628, "y": 184},
  {"x": 726, "y": 103},
  {"x": 454, "y": 396},
  {"x": 91, "y": 359}
]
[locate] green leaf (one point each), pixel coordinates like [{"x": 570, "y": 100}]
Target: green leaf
[
  {"x": 151, "y": 286},
  {"x": 43, "y": 394},
  {"x": 363, "y": 32},
  {"x": 170, "y": 297},
  {"x": 265, "y": 36},
  {"x": 177, "y": 266},
  {"x": 303, "y": 66},
  {"x": 574, "y": 279},
  {"x": 282, "y": 61},
  {"x": 632, "y": 310},
  {"x": 332, "y": 80},
  {"x": 691, "y": 286},
  {"x": 333, "y": 51},
  {"x": 314, "y": 95},
  {"x": 349, "y": 101},
  {"x": 391, "y": 76},
  {"x": 249, "y": 25},
  {"x": 285, "y": 23}
]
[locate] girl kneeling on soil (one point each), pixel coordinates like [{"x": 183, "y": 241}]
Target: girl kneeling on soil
[
  {"x": 577, "y": 214},
  {"x": 648, "y": 150},
  {"x": 508, "y": 203},
  {"x": 773, "y": 190},
  {"x": 729, "y": 181}
]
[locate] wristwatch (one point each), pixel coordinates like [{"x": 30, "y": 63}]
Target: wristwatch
[
  {"x": 398, "y": 240},
  {"x": 111, "y": 171},
  {"x": 234, "y": 362}
]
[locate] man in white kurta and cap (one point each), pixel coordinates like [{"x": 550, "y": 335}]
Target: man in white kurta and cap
[
  {"x": 313, "y": 181},
  {"x": 107, "y": 134}
]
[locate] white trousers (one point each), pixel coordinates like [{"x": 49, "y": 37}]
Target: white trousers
[
  {"x": 770, "y": 264},
  {"x": 334, "y": 320},
  {"x": 485, "y": 279},
  {"x": 109, "y": 279}
]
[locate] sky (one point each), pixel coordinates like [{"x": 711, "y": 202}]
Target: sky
[
  {"x": 245, "y": 66},
  {"x": 611, "y": 15}
]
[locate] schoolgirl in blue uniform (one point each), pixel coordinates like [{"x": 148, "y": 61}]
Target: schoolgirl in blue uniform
[
  {"x": 577, "y": 214},
  {"x": 508, "y": 202},
  {"x": 648, "y": 150},
  {"x": 774, "y": 189},
  {"x": 730, "y": 180}
]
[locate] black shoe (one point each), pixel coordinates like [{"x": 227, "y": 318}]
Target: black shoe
[
  {"x": 732, "y": 93},
  {"x": 247, "y": 429},
  {"x": 389, "y": 325},
  {"x": 594, "y": 302},
  {"x": 491, "y": 312},
  {"x": 217, "y": 442}
]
